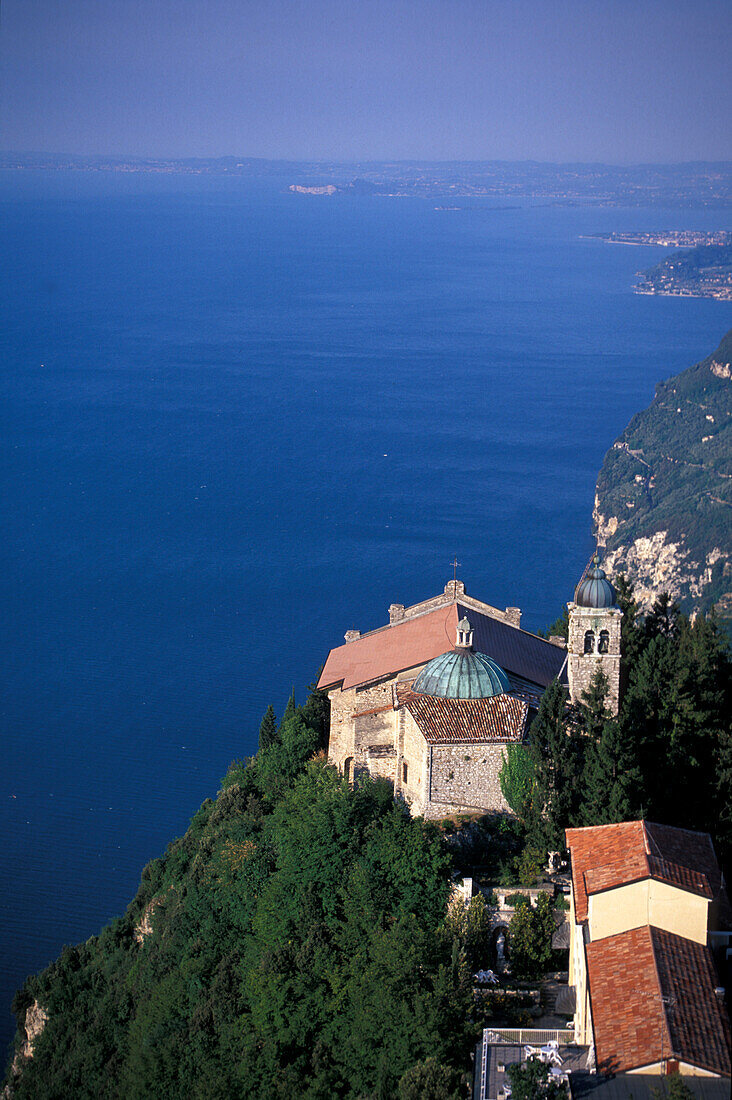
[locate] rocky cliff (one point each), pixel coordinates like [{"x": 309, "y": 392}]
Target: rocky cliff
[{"x": 663, "y": 505}]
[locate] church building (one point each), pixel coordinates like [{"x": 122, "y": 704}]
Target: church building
[{"x": 431, "y": 699}]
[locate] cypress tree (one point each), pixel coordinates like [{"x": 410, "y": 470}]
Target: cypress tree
[
  {"x": 612, "y": 778},
  {"x": 289, "y": 709},
  {"x": 631, "y": 633},
  {"x": 590, "y": 713},
  {"x": 316, "y": 713},
  {"x": 268, "y": 729},
  {"x": 556, "y": 757},
  {"x": 664, "y": 618}
]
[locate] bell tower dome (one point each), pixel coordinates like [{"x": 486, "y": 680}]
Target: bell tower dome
[{"x": 594, "y": 636}]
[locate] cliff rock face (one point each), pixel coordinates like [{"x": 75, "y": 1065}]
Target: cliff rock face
[
  {"x": 144, "y": 926},
  {"x": 35, "y": 1020},
  {"x": 663, "y": 506}
]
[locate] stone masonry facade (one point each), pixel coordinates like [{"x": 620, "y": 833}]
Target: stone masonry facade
[
  {"x": 594, "y": 642},
  {"x": 465, "y": 776},
  {"x": 372, "y": 733}
]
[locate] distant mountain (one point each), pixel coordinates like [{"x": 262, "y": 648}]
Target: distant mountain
[{"x": 663, "y": 506}]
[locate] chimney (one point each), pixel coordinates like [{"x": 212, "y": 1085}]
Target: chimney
[
  {"x": 513, "y": 615},
  {"x": 352, "y": 635},
  {"x": 557, "y": 639},
  {"x": 396, "y": 612}
]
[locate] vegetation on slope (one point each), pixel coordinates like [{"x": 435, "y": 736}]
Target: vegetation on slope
[
  {"x": 297, "y": 940},
  {"x": 297, "y": 947},
  {"x": 667, "y": 756},
  {"x": 671, "y": 471}
]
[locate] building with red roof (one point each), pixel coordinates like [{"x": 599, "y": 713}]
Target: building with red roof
[
  {"x": 430, "y": 700},
  {"x": 412, "y": 702},
  {"x": 647, "y": 901}
]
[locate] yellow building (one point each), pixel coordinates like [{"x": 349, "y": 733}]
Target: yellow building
[{"x": 645, "y": 899}]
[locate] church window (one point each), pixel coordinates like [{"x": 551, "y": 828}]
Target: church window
[
  {"x": 404, "y": 772},
  {"x": 348, "y": 769},
  {"x": 604, "y": 644},
  {"x": 589, "y": 641}
]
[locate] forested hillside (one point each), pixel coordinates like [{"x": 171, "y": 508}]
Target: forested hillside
[
  {"x": 667, "y": 755},
  {"x": 292, "y": 943},
  {"x": 663, "y": 507},
  {"x": 297, "y": 940}
]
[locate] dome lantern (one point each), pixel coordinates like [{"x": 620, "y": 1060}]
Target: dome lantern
[
  {"x": 595, "y": 590},
  {"x": 464, "y": 634}
]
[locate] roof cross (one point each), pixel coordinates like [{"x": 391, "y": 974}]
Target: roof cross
[{"x": 455, "y": 563}]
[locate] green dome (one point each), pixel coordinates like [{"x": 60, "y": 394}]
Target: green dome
[
  {"x": 462, "y": 674},
  {"x": 595, "y": 589}
]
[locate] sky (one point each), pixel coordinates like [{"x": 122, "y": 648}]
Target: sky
[{"x": 618, "y": 81}]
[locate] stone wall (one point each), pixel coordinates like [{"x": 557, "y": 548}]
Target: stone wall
[
  {"x": 465, "y": 777},
  {"x": 415, "y": 754},
  {"x": 353, "y": 729},
  {"x": 340, "y": 740}
]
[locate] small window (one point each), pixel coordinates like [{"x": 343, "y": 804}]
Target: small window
[
  {"x": 604, "y": 643},
  {"x": 589, "y": 641},
  {"x": 404, "y": 772}
]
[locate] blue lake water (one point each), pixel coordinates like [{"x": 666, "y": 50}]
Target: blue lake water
[{"x": 237, "y": 422}]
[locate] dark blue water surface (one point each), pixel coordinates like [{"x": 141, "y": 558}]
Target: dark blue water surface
[{"x": 237, "y": 422}]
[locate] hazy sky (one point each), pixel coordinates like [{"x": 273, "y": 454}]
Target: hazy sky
[{"x": 618, "y": 80}]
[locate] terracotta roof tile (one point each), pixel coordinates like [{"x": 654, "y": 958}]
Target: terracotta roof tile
[
  {"x": 407, "y": 644},
  {"x": 457, "y": 721},
  {"x": 652, "y": 997},
  {"x": 606, "y": 856},
  {"x": 682, "y": 847},
  {"x": 617, "y": 851},
  {"x": 412, "y": 642},
  {"x": 697, "y": 1018}
]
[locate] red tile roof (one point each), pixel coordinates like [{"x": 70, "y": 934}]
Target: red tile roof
[
  {"x": 606, "y": 856},
  {"x": 457, "y": 721},
  {"x": 407, "y": 644},
  {"x": 615, "y": 850},
  {"x": 653, "y": 997},
  {"x": 684, "y": 848},
  {"x": 412, "y": 642}
]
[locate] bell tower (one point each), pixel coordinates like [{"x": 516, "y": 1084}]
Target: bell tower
[{"x": 594, "y": 636}]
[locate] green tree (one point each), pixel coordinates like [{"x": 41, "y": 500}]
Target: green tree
[
  {"x": 664, "y": 618},
  {"x": 430, "y": 1080},
  {"x": 674, "y": 1087},
  {"x": 316, "y": 712},
  {"x": 675, "y": 711},
  {"x": 611, "y": 775},
  {"x": 518, "y": 778},
  {"x": 530, "y": 938},
  {"x": 631, "y": 631},
  {"x": 471, "y": 927},
  {"x": 557, "y": 757},
  {"x": 291, "y": 707},
  {"x": 559, "y": 628},
  {"x": 268, "y": 729},
  {"x": 612, "y": 778},
  {"x": 532, "y": 1081},
  {"x": 283, "y": 761},
  {"x": 530, "y": 865}
]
